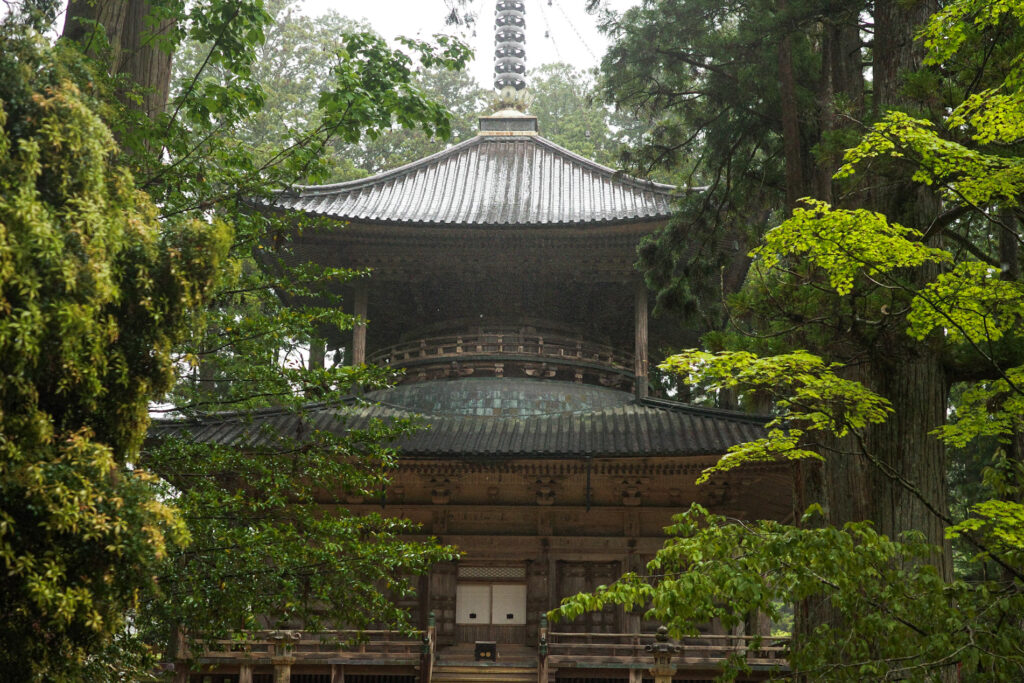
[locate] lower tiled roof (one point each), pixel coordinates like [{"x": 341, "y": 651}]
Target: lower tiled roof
[{"x": 648, "y": 427}]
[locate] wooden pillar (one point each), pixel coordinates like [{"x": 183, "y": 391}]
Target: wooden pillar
[
  {"x": 337, "y": 673},
  {"x": 317, "y": 354},
  {"x": 553, "y": 597},
  {"x": 245, "y": 673},
  {"x": 181, "y": 655},
  {"x": 359, "y": 332},
  {"x": 640, "y": 368}
]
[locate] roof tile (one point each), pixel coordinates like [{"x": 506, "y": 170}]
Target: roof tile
[
  {"x": 489, "y": 180},
  {"x": 651, "y": 427}
]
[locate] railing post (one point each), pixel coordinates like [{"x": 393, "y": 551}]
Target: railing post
[
  {"x": 662, "y": 651},
  {"x": 283, "y": 668},
  {"x": 181, "y": 656},
  {"x": 542, "y": 649},
  {"x": 427, "y": 650}
]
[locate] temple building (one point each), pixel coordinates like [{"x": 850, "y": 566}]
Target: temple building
[{"x": 503, "y": 286}]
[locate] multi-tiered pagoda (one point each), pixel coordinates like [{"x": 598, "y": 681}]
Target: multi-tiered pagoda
[{"x": 503, "y": 285}]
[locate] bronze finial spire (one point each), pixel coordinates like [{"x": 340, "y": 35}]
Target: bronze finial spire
[{"x": 510, "y": 45}]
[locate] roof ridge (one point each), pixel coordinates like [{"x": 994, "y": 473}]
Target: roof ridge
[
  {"x": 352, "y": 401},
  {"x": 639, "y": 428},
  {"x": 665, "y": 404},
  {"x": 377, "y": 178},
  {"x": 755, "y": 418},
  {"x": 269, "y": 411},
  {"x": 405, "y": 169},
  {"x": 617, "y": 174}
]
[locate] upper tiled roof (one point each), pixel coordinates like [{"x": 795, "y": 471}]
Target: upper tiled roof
[
  {"x": 490, "y": 180},
  {"x": 651, "y": 427}
]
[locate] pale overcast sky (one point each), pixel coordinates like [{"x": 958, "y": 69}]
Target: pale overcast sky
[{"x": 556, "y": 30}]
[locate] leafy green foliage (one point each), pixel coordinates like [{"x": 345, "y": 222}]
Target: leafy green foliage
[
  {"x": 988, "y": 409},
  {"x": 565, "y": 102},
  {"x": 844, "y": 244},
  {"x": 931, "y": 282},
  {"x": 290, "y": 67},
  {"x": 461, "y": 97},
  {"x": 948, "y": 31},
  {"x": 898, "y": 618},
  {"x": 1000, "y": 526},
  {"x": 966, "y": 175},
  {"x": 105, "y": 274},
  {"x": 807, "y": 394},
  {"x": 971, "y": 303},
  {"x": 273, "y": 544},
  {"x": 366, "y": 63},
  {"x": 272, "y": 540},
  {"x": 708, "y": 100},
  {"x": 95, "y": 293}
]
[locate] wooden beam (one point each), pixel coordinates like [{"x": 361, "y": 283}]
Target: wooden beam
[
  {"x": 640, "y": 368},
  {"x": 359, "y": 332}
]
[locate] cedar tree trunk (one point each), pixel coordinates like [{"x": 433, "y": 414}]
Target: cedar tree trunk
[{"x": 125, "y": 37}]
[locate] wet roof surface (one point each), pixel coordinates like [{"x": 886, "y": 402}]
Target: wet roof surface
[
  {"x": 489, "y": 180},
  {"x": 650, "y": 427}
]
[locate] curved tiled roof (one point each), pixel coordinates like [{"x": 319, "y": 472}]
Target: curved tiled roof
[
  {"x": 490, "y": 180},
  {"x": 650, "y": 427}
]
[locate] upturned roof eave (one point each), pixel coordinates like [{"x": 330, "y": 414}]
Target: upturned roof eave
[
  {"x": 563, "y": 188},
  {"x": 352, "y": 402},
  {"x": 382, "y": 177},
  {"x": 458, "y": 148},
  {"x": 361, "y": 220},
  {"x": 688, "y": 431},
  {"x": 618, "y": 175}
]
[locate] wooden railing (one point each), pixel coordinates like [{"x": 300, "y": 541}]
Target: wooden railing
[
  {"x": 428, "y": 651},
  {"x": 703, "y": 649},
  {"x": 511, "y": 344},
  {"x": 304, "y": 645}
]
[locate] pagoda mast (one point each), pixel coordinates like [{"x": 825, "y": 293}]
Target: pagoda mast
[
  {"x": 510, "y": 45},
  {"x": 510, "y": 81}
]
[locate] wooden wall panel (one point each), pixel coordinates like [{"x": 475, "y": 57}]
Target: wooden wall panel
[
  {"x": 442, "y": 601},
  {"x": 500, "y": 634},
  {"x": 578, "y": 577}
]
